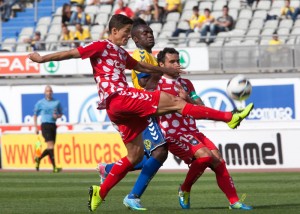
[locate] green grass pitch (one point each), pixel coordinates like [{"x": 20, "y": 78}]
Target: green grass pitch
[{"x": 67, "y": 192}]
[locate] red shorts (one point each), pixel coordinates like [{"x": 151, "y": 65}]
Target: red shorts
[
  {"x": 185, "y": 146},
  {"x": 130, "y": 109}
]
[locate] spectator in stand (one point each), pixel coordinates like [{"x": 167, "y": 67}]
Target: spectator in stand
[
  {"x": 296, "y": 13},
  {"x": 81, "y": 34},
  {"x": 275, "y": 40},
  {"x": 172, "y": 6},
  {"x": 80, "y": 16},
  {"x": 6, "y": 9},
  {"x": 124, "y": 10},
  {"x": 157, "y": 12},
  {"x": 193, "y": 22},
  {"x": 66, "y": 14},
  {"x": 77, "y": 2},
  {"x": 99, "y": 2},
  {"x": 66, "y": 35},
  {"x": 223, "y": 23},
  {"x": 36, "y": 42},
  {"x": 287, "y": 11},
  {"x": 206, "y": 25},
  {"x": 142, "y": 9}
]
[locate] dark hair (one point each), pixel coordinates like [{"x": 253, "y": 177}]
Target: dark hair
[
  {"x": 206, "y": 9},
  {"x": 196, "y": 8},
  {"x": 118, "y": 21},
  {"x": 225, "y": 6},
  {"x": 136, "y": 24},
  {"x": 161, "y": 56}
]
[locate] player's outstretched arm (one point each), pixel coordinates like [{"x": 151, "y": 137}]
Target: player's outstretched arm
[
  {"x": 58, "y": 56},
  {"x": 151, "y": 69}
]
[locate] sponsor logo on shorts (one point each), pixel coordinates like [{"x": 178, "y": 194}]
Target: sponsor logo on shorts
[
  {"x": 194, "y": 142},
  {"x": 147, "y": 144}
]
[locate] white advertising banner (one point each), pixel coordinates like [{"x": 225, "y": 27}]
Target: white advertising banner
[
  {"x": 16, "y": 64},
  {"x": 252, "y": 149}
]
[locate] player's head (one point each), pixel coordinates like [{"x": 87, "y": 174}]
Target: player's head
[
  {"x": 119, "y": 29},
  {"x": 48, "y": 92},
  {"x": 142, "y": 35},
  {"x": 169, "y": 58}
]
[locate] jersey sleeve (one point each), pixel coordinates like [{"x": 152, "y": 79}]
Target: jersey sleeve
[
  {"x": 192, "y": 91},
  {"x": 130, "y": 62},
  {"x": 88, "y": 50}
]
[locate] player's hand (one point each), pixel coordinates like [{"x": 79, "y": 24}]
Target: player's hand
[
  {"x": 174, "y": 72},
  {"x": 36, "y": 131},
  {"x": 35, "y": 57},
  {"x": 181, "y": 92}
]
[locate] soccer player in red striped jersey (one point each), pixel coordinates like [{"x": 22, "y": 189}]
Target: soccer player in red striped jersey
[
  {"x": 129, "y": 108},
  {"x": 187, "y": 142}
]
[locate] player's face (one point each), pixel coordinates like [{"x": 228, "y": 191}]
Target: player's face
[
  {"x": 172, "y": 61},
  {"x": 48, "y": 93},
  {"x": 122, "y": 36},
  {"x": 145, "y": 37}
]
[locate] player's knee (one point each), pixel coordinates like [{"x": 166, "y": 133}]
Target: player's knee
[
  {"x": 203, "y": 152},
  {"x": 160, "y": 154},
  {"x": 136, "y": 156}
]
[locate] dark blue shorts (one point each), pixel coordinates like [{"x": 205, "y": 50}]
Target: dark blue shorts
[{"x": 152, "y": 136}]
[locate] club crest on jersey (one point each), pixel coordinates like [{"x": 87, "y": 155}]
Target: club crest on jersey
[
  {"x": 194, "y": 142},
  {"x": 147, "y": 144}
]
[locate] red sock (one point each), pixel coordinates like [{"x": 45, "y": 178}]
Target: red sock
[
  {"x": 117, "y": 173},
  {"x": 196, "y": 170},
  {"x": 225, "y": 182},
  {"x": 202, "y": 112}
]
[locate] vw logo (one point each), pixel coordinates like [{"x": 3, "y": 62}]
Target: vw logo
[
  {"x": 217, "y": 99},
  {"x": 3, "y": 115},
  {"x": 90, "y": 114}
]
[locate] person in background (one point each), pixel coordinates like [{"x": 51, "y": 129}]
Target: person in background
[
  {"x": 193, "y": 22},
  {"x": 35, "y": 42},
  {"x": 77, "y": 2},
  {"x": 81, "y": 34},
  {"x": 80, "y": 17},
  {"x": 275, "y": 40},
  {"x": 66, "y": 14},
  {"x": 66, "y": 35},
  {"x": 223, "y": 23},
  {"x": 124, "y": 10},
  {"x": 206, "y": 23},
  {"x": 287, "y": 11},
  {"x": 50, "y": 110}
]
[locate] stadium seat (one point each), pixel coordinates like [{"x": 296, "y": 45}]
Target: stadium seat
[
  {"x": 55, "y": 29},
  {"x": 156, "y": 27},
  {"x": 216, "y": 14},
  {"x": 46, "y": 20},
  {"x": 56, "y": 20},
  {"x": 277, "y": 4},
  {"x": 234, "y": 4},
  {"x": 283, "y": 33},
  {"x": 9, "y": 44},
  {"x": 58, "y": 11},
  {"x": 263, "y": 5},
  {"x": 242, "y": 24},
  {"x": 275, "y": 11},
  {"x": 105, "y": 9},
  {"x": 273, "y": 24},
  {"x": 91, "y": 9},
  {"x": 186, "y": 15},
  {"x": 253, "y": 34},
  {"x": 245, "y": 14},
  {"x": 173, "y": 17},
  {"x": 205, "y": 4},
  {"x": 169, "y": 26},
  {"x": 189, "y": 5},
  {"x": 26, "y": 31},
  {"x": 219, "y": 4},
  {"x": 286, "y": 23},
  {"x": 43, "y": 29},
  {"x": 183, "y": 25},
  {"x": 262, "y": 14},
  {"x": 51, "y": 38},
  {"x": 295, "y": 3},
  {"x": 97, "y": 29},
  {"x": 165, "y": 34},
  {"x": 22, "y": 48},
  {"x": 102, "y": 19},
  {"x": 234, "y": 13},
  {"x": 256, "y": 24}
]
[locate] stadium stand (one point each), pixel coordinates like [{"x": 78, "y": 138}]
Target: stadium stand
[{"x": 254, "y": 26}]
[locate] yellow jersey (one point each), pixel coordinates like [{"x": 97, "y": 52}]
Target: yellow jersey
[{"x": 141, "y": 55}]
